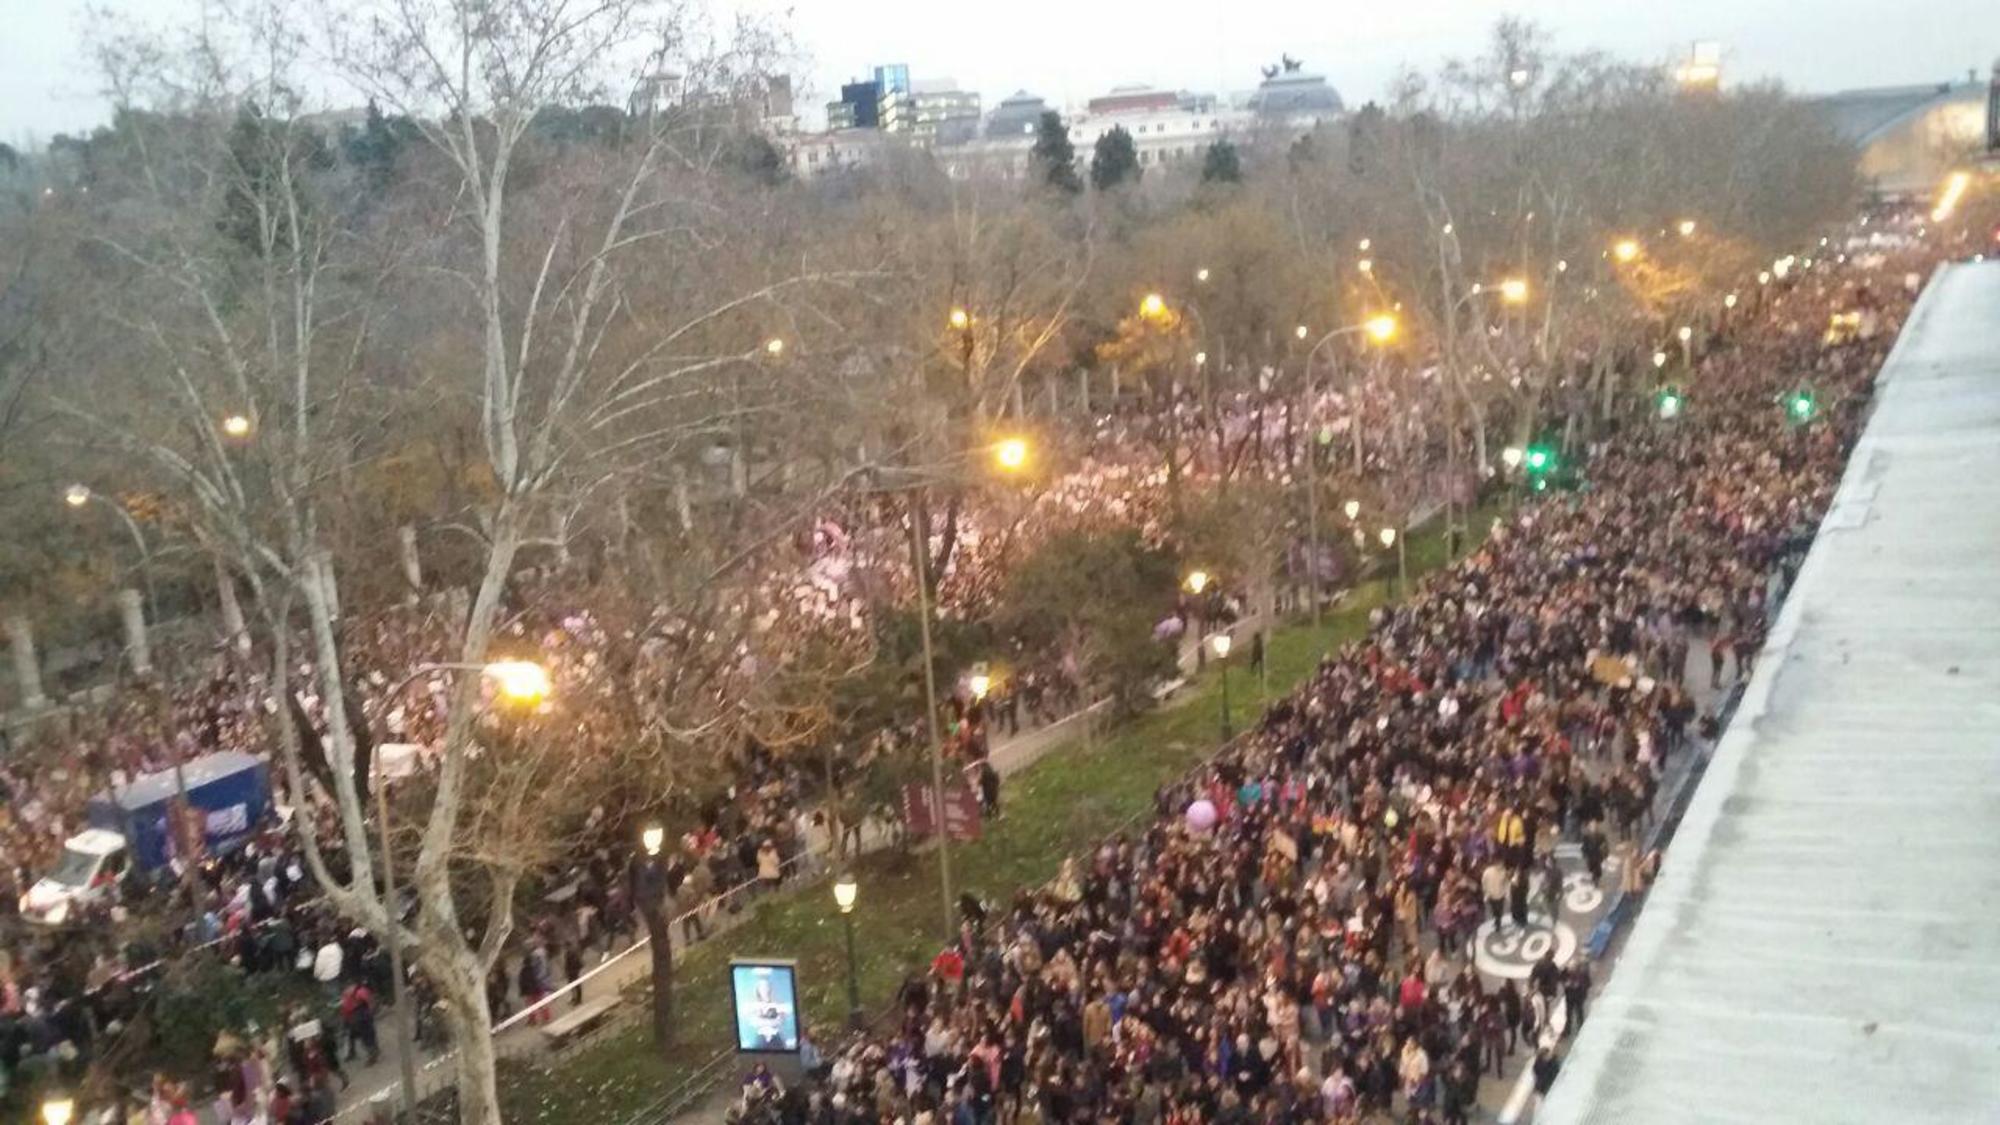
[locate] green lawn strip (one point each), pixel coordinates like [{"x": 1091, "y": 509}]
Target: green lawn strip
[{"x": 1063, "y": 804}]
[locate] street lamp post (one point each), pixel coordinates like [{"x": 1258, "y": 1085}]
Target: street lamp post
[
  {"x": 649, "y": 893},
  {"x": 920, "y": 562},
  {"x": 1381, "y": 328},
  {"x": 78, "y": 495},
  {"x": 1195, "y": 583},
  {"x": 1012, "y": 455},
  {"x": 845, "y": 892},
  {"x": 1391, "y": 538},
  {"x": 1220, "y": 642},
  {"x": 58, "y": 1109},
  {"x": 520, "y": 680}
]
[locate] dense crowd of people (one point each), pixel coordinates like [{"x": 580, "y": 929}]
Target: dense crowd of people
[
  {"x": 1303, "y": 958},
  {"x": 1289, "y": 939}
]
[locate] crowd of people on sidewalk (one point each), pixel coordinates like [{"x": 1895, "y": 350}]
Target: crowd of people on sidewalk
[{"x": 1290, "y": 939}]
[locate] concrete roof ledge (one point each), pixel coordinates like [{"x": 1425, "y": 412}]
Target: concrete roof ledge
[{"x": 1823, "y": 942}]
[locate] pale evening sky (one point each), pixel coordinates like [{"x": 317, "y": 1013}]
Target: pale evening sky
[{"x": 1067, "y": 50}]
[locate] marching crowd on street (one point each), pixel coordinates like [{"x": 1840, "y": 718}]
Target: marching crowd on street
[
  {"x": 1286, "y": 942},
  {"x": 1289, "y": 940}
]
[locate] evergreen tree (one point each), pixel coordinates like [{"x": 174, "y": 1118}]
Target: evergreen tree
[
  {"x": 1054, "y": 155},
  {"x": 1221, "y": 164},
  {"x": 1364, "y": 137},
  {"x": 260, "y": 148},
  {"x": 759, "y": 159},
  {"x": 1115, "y": 161},
  {"x": 373, "y": 148}
]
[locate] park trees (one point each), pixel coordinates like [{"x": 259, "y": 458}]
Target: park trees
[
  {"x": 579, "y": 310},
  {"x": 1221, "y": 164},
  {"x": 1114, "y": 160},
  {"x": 1094, "y": 598},
  {"x": 1054, "y": 157}
]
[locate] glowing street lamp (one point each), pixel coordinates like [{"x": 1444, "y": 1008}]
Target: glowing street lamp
[
  {"x": 1381, "y": 327},
  {"x": 1012, "y": 454},
  {"x": 1659, "y": 359},
  {"x": 522, "y": 681},
  {"x": 1763, "y": 277},
  {"x": 1153, "y": 306},
  {"x": 1625, "y": 249},
  {"x": 846, "y": 892},
  {"x": 1514, "y": 290},
  {"x": 1729, "y": 302},
  {"x": 1686, "y": 228},
  {"x": 1220, "y": 643},
  {"x": 1196, "y": 581},
  {"x": 980, "y": 683},
  {"x": 1518, "y": 77},
  {"x": 1365, "y": 265},
  {"x": 58, "y": 1109},
  {"x": 1684, "y": 334},
  {"x": 1365, "y": 244},
  {"x": 1390, "y": 539},
  {"x": 774, "y": 346},
  {"x": 76, "y": 496},
  {"x": 1301, "y": 331},
  {"x": 236, "y": 426},
  {"x": 1201, "y": 274},
  {"x": 652, "y": 838},
  {"x": 1512, "y": 456},
  {"x": 959, "y": 318},
  {"x": 1352, "y": 508},
  {"x": 1200, "y": 358}
]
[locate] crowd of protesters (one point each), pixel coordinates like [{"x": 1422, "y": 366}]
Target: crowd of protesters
[
  {"x": 1171, "y": 975},
  {"x": 1290, "y": 939}
]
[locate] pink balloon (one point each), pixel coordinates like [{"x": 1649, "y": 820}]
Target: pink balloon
[{"x": 1201, "y": 815}]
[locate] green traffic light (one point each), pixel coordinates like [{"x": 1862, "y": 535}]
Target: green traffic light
[
  {"x": 1539, "y": 458},
  {"x": 1670, "y": 404},
  {"x": 1801, "y": 406}
]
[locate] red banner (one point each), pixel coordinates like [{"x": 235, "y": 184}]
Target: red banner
[{"x": 961, "y": 810}]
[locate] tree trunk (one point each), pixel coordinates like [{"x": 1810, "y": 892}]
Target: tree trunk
[{"x": 463, "y": 989}]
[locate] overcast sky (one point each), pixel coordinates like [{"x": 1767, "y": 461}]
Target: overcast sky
[{"x": 1067, "y": 50}]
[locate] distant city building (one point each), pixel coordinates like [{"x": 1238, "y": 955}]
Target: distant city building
[
  {"x": 1017, "y": 116},
  {"x": 1293, "y": 94},
  {"x": 1910, "y": 137},
  {"x": 1131, "y": 99},
  {"x": 938, "y": 112},
  {"x": 1168, "y": 127},
  {"x": 778, "y": 115},
  {"x": 813, "y": 155},
  {"x": 859, "y": 107},
  {"x": 893, "y": 79}
]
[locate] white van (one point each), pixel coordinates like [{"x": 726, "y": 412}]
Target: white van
[{"x": 92, "y": 861}]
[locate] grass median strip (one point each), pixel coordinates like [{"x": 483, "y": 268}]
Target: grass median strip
[{"x": 1069, "y": 800}]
